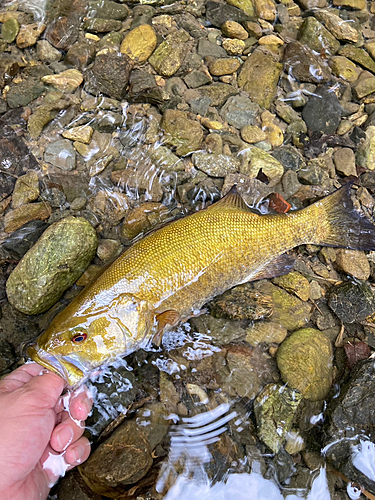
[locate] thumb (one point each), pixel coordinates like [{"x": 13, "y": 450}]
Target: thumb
[{"x": 47, "y": 388}]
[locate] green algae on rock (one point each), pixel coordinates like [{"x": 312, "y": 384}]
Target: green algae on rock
[
  {"x": 305, "y": 363},
  {"x": 52, "y": 265},
  {"x": 275, "y": 409}
]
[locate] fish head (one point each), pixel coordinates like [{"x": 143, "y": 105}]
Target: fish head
[{"x": 74, "y": 347}]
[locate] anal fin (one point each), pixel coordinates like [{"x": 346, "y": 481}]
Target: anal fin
[
  {"x": 169, "y": 317},
  {"x": 282, "y": 264}
]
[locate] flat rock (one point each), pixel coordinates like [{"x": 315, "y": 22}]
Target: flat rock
[
  {"x": 341, "y": 29},
  {"x": 46, "y": 52},
  {"x": 240, "y": 111},
  {"x": 26, "y": 189},
  {"x": 365, "y": 155},
  {"x": 29, "y": 34},
  {"x": 364, "y": 87},
  {"x": 359, "y": 56},
  {"x": 109, "y": 74},
  {"x": 106, "y": 9},
  {"x": 255, "y": 159},
  {"x": 317, "y": 37},
  {"x": 139, "y": 43},
  {"x": 305, "y": 361},
  {"x": 67, "y": 81},
  {"x": 301, "y": 62},
  {"x": 218, "y": 13},
  {"x": 296, "y": 283},
  {"x": 69, "y": 244},
  {"x": 61, "y": 154},
  {"x": 14, "y": 219},
  {"x": 216, "y": 165},
  {"x": 185, "y": 134},
  {"x": 344, "y": 68},
  {"x": 266, "y": 332},
  {"x": 344, "y": 160},
  {"x": 322, "y": 113},
  {"x": 352, "y": 301},
  {"x": 82, "y": 133},
  {"x": 225, "y": 66},
  {"x": 259, "y": 76}
]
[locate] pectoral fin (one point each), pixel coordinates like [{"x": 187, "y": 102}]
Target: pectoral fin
[
  {"x": 282, "y": 264},
  {"x": 170, "y": 317}
]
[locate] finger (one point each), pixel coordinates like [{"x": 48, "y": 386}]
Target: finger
[
  {"x": 48, "y": 387},
  {"x": 53, "y": 465},
  {"x": 66, "y": 433},
  {"x": 78, "y": 452},
  {"x": 79, "y": 404},
  {"x": 20, "y": 377}
]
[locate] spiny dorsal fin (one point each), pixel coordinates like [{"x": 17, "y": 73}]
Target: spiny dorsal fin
[{"x": 232, "y": 200}]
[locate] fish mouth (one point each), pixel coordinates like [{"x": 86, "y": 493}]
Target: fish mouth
[{"x": 66, "y": 369}]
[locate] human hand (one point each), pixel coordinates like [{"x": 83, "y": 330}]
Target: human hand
[{"x": 34, "y": 428}]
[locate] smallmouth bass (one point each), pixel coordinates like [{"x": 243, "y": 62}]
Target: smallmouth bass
[{"x": 168, "y": 275}]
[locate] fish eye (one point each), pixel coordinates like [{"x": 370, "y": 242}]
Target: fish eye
[{"x": 79, "y": 338}]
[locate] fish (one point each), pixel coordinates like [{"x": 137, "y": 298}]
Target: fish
[{"x": 168, "y": 275}]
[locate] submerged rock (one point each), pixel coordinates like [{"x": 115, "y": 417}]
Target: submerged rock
[
  {"x": 52, "y": 265},
  {"x": 322, "y": 112},
  {"x": 275, "y": 409},
  {"x": 305, "y": 363},
  {"x": 26, "y": 189},
  {"x": 185, "y": 134},
  {"x": 16, "y": 218},
  {"x": 139, "y": 43},
  {"x": 352, "y": 301}
]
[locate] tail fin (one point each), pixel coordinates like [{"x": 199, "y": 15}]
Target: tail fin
[{"x": 345, "y": 226}]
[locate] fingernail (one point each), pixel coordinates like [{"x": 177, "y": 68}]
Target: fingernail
[
  {"x": 78, "y": 452},
  {"x": 87, "y": 402},
  {"x": 64, "y": 437}
]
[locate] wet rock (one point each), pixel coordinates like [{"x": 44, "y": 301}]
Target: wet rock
[
  {"x": 109, "y": 74},
  {"x": 216, "y": 165},
  {"x": 234, "y": 47},
  {"x": 353, "y": 262},
  {"x": 61, "y": 154},
  {"x": 266, "y": 332},
  {"x": 344, "y": 68},
  {"x": 352, "y": 4},
  {"x": 73, "y": 487},
  {"x": 250, "y": 369},
  {"x": 312, "y": 175},
  {"x": 225, "y": 66},
  {"x": 358, "y": 56},
  {"x": 26, "y": 189},
  {"x": 46, "y": 113},
  {"x": 265, "y": 9},
  {"x": 110, "y": 205},
  {"x": 127, "y": 455},
  {"x": 108, "y": 249},
  {"x": 350, "y": 426},
  {"x": 25, "y": 213},
  {"x": 91, "y": 272},
  {"x": 245, "y": 5},
  {"x": 21, "y": 240},
  {"x": 289, "y": 157},
  {"x": 46, "y": 52},
  {"x": 218, "y": 93},
  {"x": 97, "y": 25},
  {"x": 255, "y": 159},
  {"x": 10, "y": 29},
  {"x": 67, "y": 81},
  {"x": 168, "y": 56},
  {"x": 22, "y": 93},
  {"x": 8, "y": 68},
  {"x": 253, "y": 134},
  {"x": 196, "y": 79},
  {"x": 54, "y": 197},
  {"x": 232, "y": 29},
  {"x": 240, "y": 111},
  {"x": 80, "y": 55},
  {"x": 295, "y": 283},
  {"x": 242, "y": 302},
  {"x": 29, "y": 34},
  {"x": 218, "y": 13},
  {"x": 181, "y": 132},
  {"x": 289, "y": 311},
  {"x": 352, "y": 301},
  {"x": 55, "y": 262},
  {"x": 106, "y": 9},
  {"x": 365, "y": 155},
  {"x": 364, "y": 86},
  {"x": 7, "y": 355},
  {"x": 344, "y": 159},
  {"x": 305, "y": 363},
  {"x": 82, "y": 133},
  {"x": 322, "y": 112},
  {"x": 301, "y": 62},
  {"x": 275, "y": 410},
  {"x": 143, "y": 88},
  {"x": 341, "y": 29},
  {"x": 259, "y": 76},
  {"x": 274, "y": 134},
  {"x": 209, "y": 49},
  {"x": 221, "y": 331},
  {"x": 139, "y": 43},
  {"x": 317, "y": 37}
]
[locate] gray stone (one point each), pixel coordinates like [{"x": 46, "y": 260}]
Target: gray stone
[
  {"x": 352, "y": 301},
  {"x": 206, "y": 48},
  {"x": 196, "y": 79},
  {"x": 216, "y": 165},
  {"x": 217, "y": 13},
  {"x": 322, "y": 113},
  {"x": 301, "y": 62},
  {"x": 106, "y": 9},
  {"x": 240, "y": 111},
  {"x": 289, "y": 157},
  {"x": 61, "y": 154}
]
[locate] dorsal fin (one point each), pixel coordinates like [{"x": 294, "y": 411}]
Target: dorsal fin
[{"x": 232, "y": 200}]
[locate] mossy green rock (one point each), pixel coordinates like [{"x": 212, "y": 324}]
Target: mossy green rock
[
  {"x": 168, "y": 57},
  {"x": 305, "y": 363},
  {"x": 275, "y": 409},
  {"x": 10, "y": 29},
  {"x": 317, "y": 37},
  {"x": 259, "y": 76},
  {"x": 52, "y": 265},
  {"x": 358, "y": 56},
  {"x": 295, "y": 283},
  {"x": 185, "y": 134}
]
